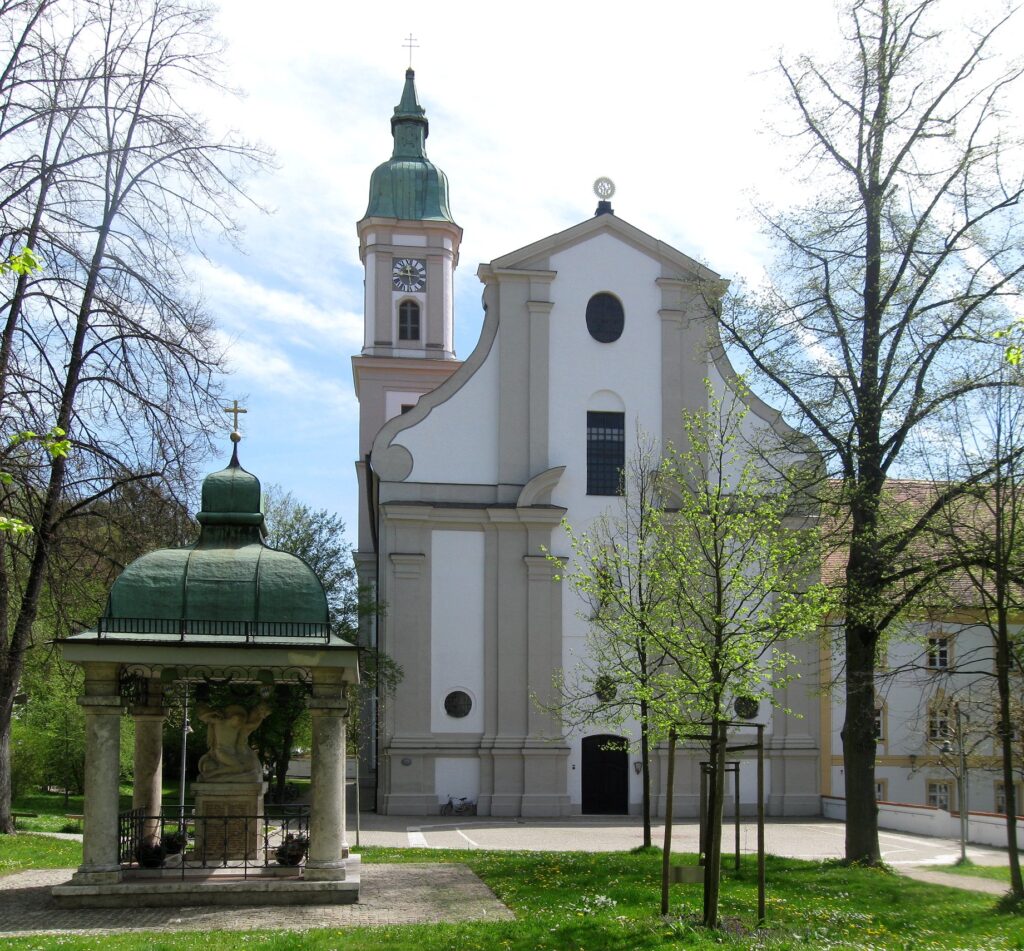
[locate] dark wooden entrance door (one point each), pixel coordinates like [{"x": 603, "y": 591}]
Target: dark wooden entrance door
[{"x": 605, "y": 776}]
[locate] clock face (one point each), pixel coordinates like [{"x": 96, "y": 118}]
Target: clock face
[{"x": 409, "y": 274}]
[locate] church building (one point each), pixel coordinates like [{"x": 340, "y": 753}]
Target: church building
[{"x": 467, "y": 469}]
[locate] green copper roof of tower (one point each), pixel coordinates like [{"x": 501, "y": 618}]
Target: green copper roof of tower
[
  {"x": 229, "y": 574},
  {"x": 408, "y": 185}
]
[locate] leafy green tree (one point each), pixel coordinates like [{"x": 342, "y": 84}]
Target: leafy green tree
[
  {"x": 736, "y": 559},
  {"x": 610, "y": 570},
  {"x": 318, "y": 538},
  {"x": 890, "y": 283},
  {"x": 706, "y": 571}
]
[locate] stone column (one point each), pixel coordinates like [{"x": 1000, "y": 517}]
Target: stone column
[
  {"x": 328, "y": 848},
  {"x": 147, "y": 792},
  {"x": 102, "y": 706}
]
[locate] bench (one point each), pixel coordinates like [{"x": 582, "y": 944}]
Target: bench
[
  {"x": 15, "y": 816},
  {"x": 75, "y": 818}
]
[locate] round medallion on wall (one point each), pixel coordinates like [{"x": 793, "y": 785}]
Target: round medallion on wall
[
  {"x": 605, "y": 317},
  {"x": 605, "y": 689},
  {"x": 458, "y": 704},
  {"x": 746, "y": 708}
]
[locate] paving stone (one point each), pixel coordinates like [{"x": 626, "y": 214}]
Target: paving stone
[{"x": 389, "y": 895}]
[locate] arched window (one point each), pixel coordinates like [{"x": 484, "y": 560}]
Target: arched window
[{"x": 408, "y": 320}]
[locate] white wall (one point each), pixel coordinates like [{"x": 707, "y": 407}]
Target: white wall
[
  {"x": 456, "y": 628},
  {"x": 458, "y": 777},
  {"x": 458, "y": 441},
  {"x": 586, "y": 375}
]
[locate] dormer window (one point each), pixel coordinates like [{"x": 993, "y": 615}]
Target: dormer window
[{"x": 408, "y": 320}]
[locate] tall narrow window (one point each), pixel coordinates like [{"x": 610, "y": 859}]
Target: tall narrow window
[
  {"x": 938, "y": 653},
  {"x": 408, "y": 320},
  {"x": 606, "y": 452}
]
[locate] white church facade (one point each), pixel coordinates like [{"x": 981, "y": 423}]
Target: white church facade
[{"x": 468, "y": 468}]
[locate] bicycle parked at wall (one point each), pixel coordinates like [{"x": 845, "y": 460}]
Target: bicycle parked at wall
[{"x": 458, "y": 807}]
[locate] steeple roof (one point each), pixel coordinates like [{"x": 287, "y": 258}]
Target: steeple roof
[{"x": 408, "y": 185}]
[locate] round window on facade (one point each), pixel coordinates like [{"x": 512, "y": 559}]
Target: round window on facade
[
  {"x": 605, "y": 317},
  {"x": 458, "y": 704}
]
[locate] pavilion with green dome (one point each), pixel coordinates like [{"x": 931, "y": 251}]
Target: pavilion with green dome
[{"x": 225, "y": 610}]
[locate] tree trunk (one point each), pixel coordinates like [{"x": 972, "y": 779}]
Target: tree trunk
[
  {"x": 666, "y": 853},
  {"x": 859, "y": 748},
  {"x": 645, "y": 772},
  {"x": 716, "y": 800},
  {"x": 6, "y": 819},
  {"x": 1006, "y": 750}
]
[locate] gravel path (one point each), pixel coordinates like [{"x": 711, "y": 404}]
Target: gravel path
[
  {"x": 966, "y": 882},
  {"x": 388, "y": 895}
]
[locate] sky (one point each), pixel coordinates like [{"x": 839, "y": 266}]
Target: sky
[{"x": 528, "y": 104}]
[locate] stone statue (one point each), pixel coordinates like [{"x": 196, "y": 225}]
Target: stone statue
[{"x": 229, "y": 758}]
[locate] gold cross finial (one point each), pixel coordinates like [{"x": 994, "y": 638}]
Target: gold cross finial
[
  {"x": 235, "y": 410},
  {"x": 411, "y": 44}
]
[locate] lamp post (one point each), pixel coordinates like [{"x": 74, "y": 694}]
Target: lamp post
[{"x": 962, "y": 786}]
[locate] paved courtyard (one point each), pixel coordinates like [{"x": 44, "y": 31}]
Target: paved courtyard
[{"x": 814, "y": 838}]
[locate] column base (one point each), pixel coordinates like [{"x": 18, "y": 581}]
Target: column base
[
  {"x": 97, "y": 876},
  {"x": 325, "y": 872}
]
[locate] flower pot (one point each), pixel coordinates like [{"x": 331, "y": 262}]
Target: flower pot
[
  {"x": 293, "y": 850},
  {"x": 151, "y": 855}
]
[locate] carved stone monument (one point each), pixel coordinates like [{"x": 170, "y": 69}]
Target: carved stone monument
[{"x": 230, "y": 790}]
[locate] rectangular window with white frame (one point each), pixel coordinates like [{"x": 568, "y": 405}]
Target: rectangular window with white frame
[
  {"x": 938, "y": 653},
  {"x": 938, "y": 724},
  {"x": 940, "y": 794},
  {"x": 1000, "y": 788},
  {"x": 879, "y": 722}
]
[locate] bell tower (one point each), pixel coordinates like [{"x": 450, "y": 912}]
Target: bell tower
[{"x": 409, "y": 246}]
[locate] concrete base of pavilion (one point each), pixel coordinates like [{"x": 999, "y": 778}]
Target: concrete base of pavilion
[{"x": 169, "y": 888}]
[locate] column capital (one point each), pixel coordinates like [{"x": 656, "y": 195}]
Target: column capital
[
  {"x": 101, "y": 704},
  {"x": 323, "y": 706}
]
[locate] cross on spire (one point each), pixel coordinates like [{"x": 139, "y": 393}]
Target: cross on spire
[
  {"x": 235, "y": 410},
  {"x": 411, "y": 44}
]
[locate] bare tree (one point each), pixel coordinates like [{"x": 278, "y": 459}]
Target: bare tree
[
  {"x": 889, "y": 284},
  {"x": 112, "y": 179},
  {"x": 983, "y": 535}
]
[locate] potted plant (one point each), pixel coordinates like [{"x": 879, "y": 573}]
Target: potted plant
[
  {"x": 151, "y": 854},
  {"x": 175, "y": 842},
  {"x": 292, "y": 850}
]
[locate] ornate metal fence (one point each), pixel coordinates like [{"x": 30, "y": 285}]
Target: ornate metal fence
[{"x": 169, "y": 843}]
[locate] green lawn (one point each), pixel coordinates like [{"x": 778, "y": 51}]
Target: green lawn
[
  {"x": 596, "y": 901},
  {"x": 24, "y": 851}
]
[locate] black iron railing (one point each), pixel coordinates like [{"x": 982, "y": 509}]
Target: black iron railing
[
  {"x": 171, "y": 843},
  {"x": 184, "y": 629}
]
